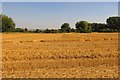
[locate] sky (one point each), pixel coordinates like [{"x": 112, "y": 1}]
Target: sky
[
  {"x": 52, "y": 15},
  {"x": 60, "y": 0},
  {"x": 119, "y": 9}
]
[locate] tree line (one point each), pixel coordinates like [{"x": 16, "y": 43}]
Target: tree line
[{"x": 112, "y": 25}]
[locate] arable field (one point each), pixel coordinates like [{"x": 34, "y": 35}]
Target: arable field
[{"x": 65, "y": 55}]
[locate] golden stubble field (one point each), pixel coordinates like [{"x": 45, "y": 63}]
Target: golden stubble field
[{"x": 65, "y": 55}]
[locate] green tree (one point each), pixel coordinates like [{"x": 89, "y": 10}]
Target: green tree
[
  {"x": 26, "y": 29},
  {"x": 97, "y": 27},
  {"x": 72, "y": 30},
  {"x": 113, "y": 22},
  {"x": 37, "y": 31},
  {"x": 53, "y": 31},
  {"x": 65, "y": 27},
  {"x": 0, "y": 23},
  {"x": 88, "y": 30},
  {"x": 82, "y": 26},
  {"x": 47, "y": 31},
  {"x": 8, "y": 24},
  {"x": 19, "y": 30}
]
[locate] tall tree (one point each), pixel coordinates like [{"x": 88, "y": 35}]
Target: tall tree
[
  {"x": 82, "y": 26},
  {"x": 65, "y": 27},
  {"x": 97, "y": 27},
  {"x": 0, "y": 23},
  {"x": 26, "y": 29},
  {"x": 7, "y": 24},
  {"x": 113, "y": 22}
]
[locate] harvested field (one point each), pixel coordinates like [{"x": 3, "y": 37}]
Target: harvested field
[{"x": 65, "y": 55}]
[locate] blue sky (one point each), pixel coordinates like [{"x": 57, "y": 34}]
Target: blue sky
[
  {"x": 60, "y": 0},
  {"x": 44, "y": 15}
]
